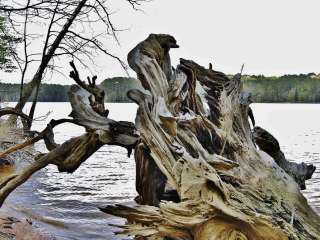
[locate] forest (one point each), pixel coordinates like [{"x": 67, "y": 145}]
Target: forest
[
  {"x": 117, "y": 88},
  {"x": 302, "y": 88},
  {"x": 295, "y": 88}
]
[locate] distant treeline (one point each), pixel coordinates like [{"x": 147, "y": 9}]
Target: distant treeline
[
  {"x": 48, "y": 92},
  {"x": 115, "y": 88},
  {"x": 304, "y": 88}
]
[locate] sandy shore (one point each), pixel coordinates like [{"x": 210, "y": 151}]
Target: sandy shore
[
  {"x": 20, "y": 229},
  {"x": 13, "y": 226}
]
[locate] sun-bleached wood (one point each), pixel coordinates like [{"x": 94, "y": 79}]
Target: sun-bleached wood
[
  {"x": 88, "y": 112},
  {"x": 194, "y": 126},
  {"x": 200, "y": 173}
]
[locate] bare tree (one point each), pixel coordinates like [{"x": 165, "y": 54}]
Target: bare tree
[{"x": 71, "y": 29}]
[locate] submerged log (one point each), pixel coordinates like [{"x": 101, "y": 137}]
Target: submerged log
[{"x": 194, "y": 126}]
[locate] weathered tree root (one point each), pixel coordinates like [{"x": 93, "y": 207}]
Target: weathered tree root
[
  {"x": 72, "y": 153},
  {"x": 267, "y": 143},
  {"x": 192, "y": 137},
  {"x": 203, "y": 145}
]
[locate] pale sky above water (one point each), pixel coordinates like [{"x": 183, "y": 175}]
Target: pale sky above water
[{"x": 270, "y": 37}]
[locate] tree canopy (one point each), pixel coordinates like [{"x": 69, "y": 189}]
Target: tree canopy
[{"x": 7, "y": 46}]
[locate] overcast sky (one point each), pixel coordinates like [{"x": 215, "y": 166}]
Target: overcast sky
[{"x": 271, "y": 37}]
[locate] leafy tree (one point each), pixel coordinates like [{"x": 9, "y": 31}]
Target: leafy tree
[{"x": 7, "y": 47}]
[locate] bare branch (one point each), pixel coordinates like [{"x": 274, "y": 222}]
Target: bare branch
[
  {"x": 99, "y": 47},
  {"x": 12, "y": 111},
  {"x": 72, "y": 153},
  {"x": 96, "y": 98}
]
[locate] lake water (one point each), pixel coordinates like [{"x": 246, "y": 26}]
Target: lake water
[{"x": 66, "y": 204}]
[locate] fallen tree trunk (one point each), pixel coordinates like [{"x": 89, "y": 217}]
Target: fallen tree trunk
[
  {"x": 68, "y": 156},
  {"x": 204, "y": 147}
]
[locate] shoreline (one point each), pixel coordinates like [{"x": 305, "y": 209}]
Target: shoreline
[{"x": 13, "y": 226}]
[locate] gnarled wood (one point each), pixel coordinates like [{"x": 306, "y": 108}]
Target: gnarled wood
[
  {"x": 96, "y": 98},
  {"x": 194, "y": 148},
  {"x": 203, "y": 145},
  {"x": 16, "y": 112},
  {"x": 46, "y": 134},
  {"x": 72, "y": 153},
  {"x": 267, "y": 143}
]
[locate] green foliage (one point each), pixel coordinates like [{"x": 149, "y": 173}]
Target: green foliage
[
  {"x": 3, "y": 46},
  {"x": 115, "y": 88},
  {"x": 48, "y": 93},
  {"x": 7, "y": 47},
  {"x": 304, "y": 88}
]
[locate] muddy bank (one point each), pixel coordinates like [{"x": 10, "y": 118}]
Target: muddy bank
[
  {"x": 12, "y": 224},
  {"x": 20, "y": 229}
]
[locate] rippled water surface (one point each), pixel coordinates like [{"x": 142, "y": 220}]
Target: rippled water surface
[
  {"x": 66, "y": 204},
  {"x": 297, "y": 128}
]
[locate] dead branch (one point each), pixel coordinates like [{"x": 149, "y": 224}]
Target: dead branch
[
  {"x": 46, "y": 135},
  {"x": 299, "y": 172},
  {"x": 70, "y": 30},
  {"x": 72, "y": 153},
  {"x": 13, "y": 111},
  {"x": 96, "y": 98}
]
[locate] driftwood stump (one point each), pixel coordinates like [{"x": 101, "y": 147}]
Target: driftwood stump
[
  {"x": 202, "y": 173},
  {"x": 197, "y": 153}
]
